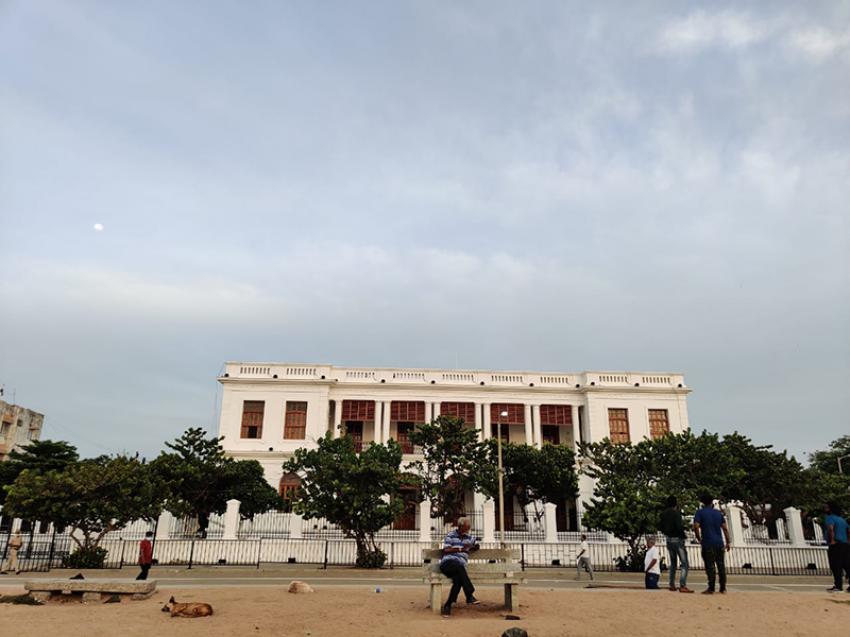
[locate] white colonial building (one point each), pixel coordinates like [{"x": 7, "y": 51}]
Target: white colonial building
[{"x": 270, "y": 409}]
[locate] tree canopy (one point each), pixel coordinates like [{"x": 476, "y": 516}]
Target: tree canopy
[
  {"x": 93, "y": 497},
  {"x": 38, "y": 456},
  {"x": 358, "y": 492},
  {"x": 454, "y": 462},
  {"x": 200, "y": 479}
]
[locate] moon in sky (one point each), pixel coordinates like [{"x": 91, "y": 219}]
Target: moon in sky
[{"x": 98, "y": 227}]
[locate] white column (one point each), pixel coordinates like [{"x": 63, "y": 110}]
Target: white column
[
  {"x": 529, "y": 432},
  {"x": 337, "y": 418},
  {"x": 436, "y": 410},
  {"x": 377, "y": 426},
  {"x": 550, "y": 521},
  {"x": 486, "y": 428},
  {"x": 386, "y": 422},
  {"x": 576, "y": 427},
  {"x": 538, "y": 428},
  {"x": 479, "y": 423},
  {"x": 425, "y": 521},
  {"x": 489, "y": 508},
  {"x": 818, "y": 533},
  {"x": 735, "y": 524},
  {"x": 231, "y": 520},
  {"x": 163, "y": 525},
  {"x": 781, "y": 534},
  {"x": 795, "y": 526},
  {"x": 296, "y": 526}
]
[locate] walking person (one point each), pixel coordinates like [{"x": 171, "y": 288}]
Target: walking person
[
  {"x": 835, "y": 530},
  {"x": 651, "y": 565},
  {"x": 583, "y": 558},
  {"x": 457, "y": 546},
  {"x": 713, "y": 534},
  {"x": 145, "y": 556},
  {"x": 13, "y": 546},
  {"x": 673, "y": 526}
]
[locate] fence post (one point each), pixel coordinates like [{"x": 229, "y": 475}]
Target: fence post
[
  {"x": 795, "y": 526},
  {"x": 191, "y": 552},
  {"x": 425, "y": 521},
  {"x": 296, "y": 526},
  {"x": 489, "y": 522},
  {"x": 123, "y": 546},
  {"x": 326, "y": 554},
  {"x": 550, "y": 521},
  {"x": 231, "y": 520},
  {"x": 392, "y": 553},
  {"x": 259, "y": 552},
  {"x": 163, "y": 526},
  {"x": 522, "y": 555},
  {"x": 735, "y": 525}
]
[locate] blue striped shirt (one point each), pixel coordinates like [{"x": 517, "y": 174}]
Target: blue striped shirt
[{"x": 455, "y": 539}]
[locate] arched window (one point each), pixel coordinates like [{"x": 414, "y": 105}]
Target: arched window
[{"x": 289, "y": 485}]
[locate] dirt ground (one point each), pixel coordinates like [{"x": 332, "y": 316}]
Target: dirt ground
[{"x": 402, "y": 612}]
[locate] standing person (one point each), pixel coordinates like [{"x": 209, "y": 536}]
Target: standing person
[
  {"x": 456, "y": 549},
  {"x": 145, "y": 555},
  {"x": 652, "y": 565},
  {"x": 583, "y": 558},
  {"x": 835, "y": 530},
  {"x": 14, "y": 545},
  {"x": 713, "y": 534},
  {"x": 673, "y": 526}
]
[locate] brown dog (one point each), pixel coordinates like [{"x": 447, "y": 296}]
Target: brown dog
[{"x": 191, "y": 609}]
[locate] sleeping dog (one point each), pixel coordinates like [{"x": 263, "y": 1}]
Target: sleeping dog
[{"x": 191, "y": 609}]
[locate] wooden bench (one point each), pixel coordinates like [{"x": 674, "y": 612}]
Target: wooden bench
[
  {"x": 486, "y": 566},
  {"x": 92, "y": 590}
]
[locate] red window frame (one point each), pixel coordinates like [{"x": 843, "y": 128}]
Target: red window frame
[
  {"x": 295, "y": 421},
  {"x": 556, "y": 415},
  {"x": 659, "y": 423},
  {"x": 464, "y": 411},
  {"x": 618, "y": 425},
  {"x": 362, "y": 410},
  {"x": 252, "y": 418},
  {"x": 407, "y": 411}
]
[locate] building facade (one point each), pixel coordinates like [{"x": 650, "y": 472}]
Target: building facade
[
  {"x": 270, "y": 409},
  {"x": 18, "y": 426}
]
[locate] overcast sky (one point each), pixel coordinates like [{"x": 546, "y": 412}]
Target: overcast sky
[{"x": 498, "y": 185}]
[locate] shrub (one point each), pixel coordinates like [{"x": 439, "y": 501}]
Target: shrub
[
  {"x": 371, "y": 559},
  {"x": 86, "y": 558}
]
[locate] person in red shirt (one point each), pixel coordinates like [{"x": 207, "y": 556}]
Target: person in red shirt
[{"x": 145, "y": 555}]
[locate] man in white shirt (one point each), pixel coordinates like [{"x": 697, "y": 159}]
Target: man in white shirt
[
  {"x": 652, "y": 564},
  {"x": 583, "y": 558}
]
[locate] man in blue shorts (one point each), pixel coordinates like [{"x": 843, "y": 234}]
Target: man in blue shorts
[
  {"x": 713, "y": 534},
  {"x": 456, "y": 548}
]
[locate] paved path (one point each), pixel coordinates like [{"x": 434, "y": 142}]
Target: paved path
[{"x": 205, "y": 577}]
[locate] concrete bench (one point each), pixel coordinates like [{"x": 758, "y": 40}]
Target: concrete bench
[
  {"x": 486, "y": 566},
  {"x": 92, "y": 590}
]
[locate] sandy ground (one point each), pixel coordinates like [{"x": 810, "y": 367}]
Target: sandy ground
[{"x": 402, "y": 612}]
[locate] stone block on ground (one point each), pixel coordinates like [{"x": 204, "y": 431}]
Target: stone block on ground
[{"x": 300, "y": 587}]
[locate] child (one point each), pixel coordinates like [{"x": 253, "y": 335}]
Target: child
[{"x": 652, "y": 564}]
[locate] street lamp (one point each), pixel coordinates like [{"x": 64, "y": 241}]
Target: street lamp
[{"x": 503, "y": 414}]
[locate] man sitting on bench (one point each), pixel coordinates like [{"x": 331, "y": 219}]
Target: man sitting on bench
[{"x": 456, "y": 548}]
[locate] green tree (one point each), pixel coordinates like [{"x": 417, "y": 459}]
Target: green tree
[
  {"x": 535, "y": 476},
  {"x": 627, "y": 499},
  {"x": 200, "y": 480},
  {"x": 826, "y": 460},
  {"x": 453, "y": 463},
  {"x": 38, "y": 456},
  {"x": 91, "y": 497},
  {"x": 762, "y": 480},
  {"x": 360, "y": 493}
]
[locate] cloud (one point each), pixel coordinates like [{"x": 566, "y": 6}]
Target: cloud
[
  {"x": 700, "y": 30},
  {"x": 819, "y": 43}
]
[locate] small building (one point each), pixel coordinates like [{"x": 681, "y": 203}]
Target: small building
[
  {"x": 18, "y": 426},
  {"x": 268, "y": 410}
]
